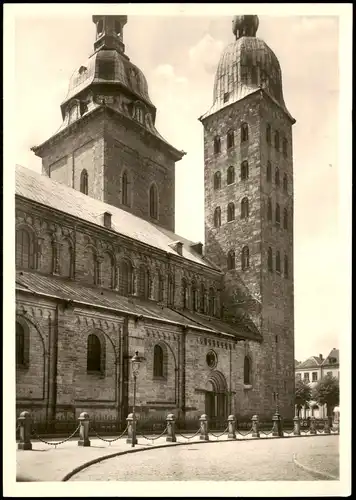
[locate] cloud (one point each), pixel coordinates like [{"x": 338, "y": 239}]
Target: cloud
[
  {"x": 166, "y": 71},
  {"x": 206, "y": 53}
]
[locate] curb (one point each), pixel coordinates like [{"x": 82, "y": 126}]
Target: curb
[
  {"x": 166, "y": 445},
  {"x": 314, "y": 472}
]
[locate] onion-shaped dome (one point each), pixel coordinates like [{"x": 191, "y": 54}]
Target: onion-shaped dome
[
  {"x": 245, "y": 66},
  {"x": 108, "y": 67}
]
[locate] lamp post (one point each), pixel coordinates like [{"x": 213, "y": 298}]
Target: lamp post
[
  {"x": 135, "y": 364},
  {"x": 275, "y": 396}
]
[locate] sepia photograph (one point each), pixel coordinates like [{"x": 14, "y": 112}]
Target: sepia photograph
[{"x": 178, "y": 214}]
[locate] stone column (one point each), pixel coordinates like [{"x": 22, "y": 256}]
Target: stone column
[
  {"x": 277, "y": 425},
  {"x": 134, "y": 281},
  {"x": 84, "y": 429},
  {"x": 131, "y": 429},
  {"x": 255, "y": 426},
  {"x": 312, "y": 428},
  {"x": 296, "y": 430},
  {"x": 25, "y": 422},
  {"x": 231, "y": 422},
  {"x": 171, "y": 428},
  {"x": 204, "y": 436}
]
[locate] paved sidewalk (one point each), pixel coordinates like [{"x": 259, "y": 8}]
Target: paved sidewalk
[
  {"x": 321, "y": 461},
  {"x": 48, "y": 463}
]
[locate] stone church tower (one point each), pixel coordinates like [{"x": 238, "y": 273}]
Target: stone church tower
[
  {"x": 108, "y": 142},
  {"x": 249, "y": 201}
]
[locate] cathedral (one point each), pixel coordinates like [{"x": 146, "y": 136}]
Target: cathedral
[{"x": 101, "y": 273}]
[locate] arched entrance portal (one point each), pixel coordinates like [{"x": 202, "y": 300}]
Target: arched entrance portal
[{"x": 216, "y": 400}]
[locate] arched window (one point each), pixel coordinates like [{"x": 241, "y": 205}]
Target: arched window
[
  {"x": 125, "y": 278},
  {"x": 66, "y": 259},
  {"x": 22, "y": 346},
  {"x": 230, "y": 141},
  {"x": 158, "y": 361},
  {"x": 217, "y": 145},
  {"x": 278, "y": 214},
  {"x": 244, "y": 170},
  {"x": 285, "y": 219},
  {"x": 94, "y": 354},
  {"x": 194, "y": 296},
  {"x": 230, "y": 178},
  {"x": 143, "y": 282},
  {"x": 270, "y": 260},
  {"x": 269, "y": 209},
  {"x": 278, "y": 261},
  {"x": 245, "y": 258},
  {"x": 217, "y": 180},
  {"x": 247, "y": 371},
  {"x": 285, "y": 183},
  {"x": 217, "y": 217},
  {"x": 211, "y": 301},
  {"x": 269, "y": 172},
  {"x": 153, "y": 202},
  {"x": 231, "y": 260},
  {"x": 160, "y": 287},
  {"x": 84, "y": 182},
  {"x": 285, "y": 148},
  {"x": 268, "y": 133},
  {"x": 24, "y": 249},
  {"x": 286, "y": 270},
  {"x": 184, "y": 293},
  {"x": 107, "y": 271},
  {"x": 276, "y": 140},
  {"x": 202, "y": 298},
  {"x": 170, "y": 290},
  {"x": 277, "y": 177},
  {"x": 125, "y": 189},
  {"x": 230, "y": 212},
  {"x": 244, "y": 208},
  {"x": 244, "y": 132}
]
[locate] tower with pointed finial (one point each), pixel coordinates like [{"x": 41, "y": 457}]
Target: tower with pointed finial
[
  {"x": 108, "y": 146},
  {"x": 249, "y": 207}
]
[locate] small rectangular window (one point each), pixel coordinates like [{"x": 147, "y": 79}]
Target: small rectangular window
[
  {"x": 226, "y": 96},
  {"x": 306, "y": 377},
  {"x": 314, "y": 376}
]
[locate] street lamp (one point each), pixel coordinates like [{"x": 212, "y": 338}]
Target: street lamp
[
  {"x": 135, "y": 364},
  {"x": 275, "y": 396}
]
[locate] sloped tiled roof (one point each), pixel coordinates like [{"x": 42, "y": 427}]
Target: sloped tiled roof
[
  {"x": 312, "y": 362},
  {"x": 66, "y": 289},
  {"x": 41, "y": 189},
  {"x": 334, "y": 353}
]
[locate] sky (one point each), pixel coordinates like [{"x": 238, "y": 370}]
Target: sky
[{"x": 179, "y": 56}]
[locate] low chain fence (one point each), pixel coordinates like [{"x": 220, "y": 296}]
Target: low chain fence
[{"x": 152, "y": 430}]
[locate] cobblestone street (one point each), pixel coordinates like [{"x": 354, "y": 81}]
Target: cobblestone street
[{"x": 277, "y": 460}]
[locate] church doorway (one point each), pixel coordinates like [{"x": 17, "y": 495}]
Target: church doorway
[{"x": 216, "y": 400}]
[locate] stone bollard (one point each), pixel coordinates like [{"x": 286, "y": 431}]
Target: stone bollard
[
  {"x": 296, "y": 430},
  {"x": 25, "y": 423},
  {"x": 231, "y": 423},
  {"x": 312, "y": 427},
  {"x": 131, "y": 429},
  {"x": 84, "y": 429},
  {"x": 171, "y": 428},
  {"x": 327, "y": 426},
  {"x": 204, "y": 436},
  {"x": 255, "y": 426},
  {"x": 277, "y": 429}
]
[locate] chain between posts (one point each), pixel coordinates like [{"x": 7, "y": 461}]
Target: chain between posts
[
  {"x": 246, "y": 433},
  {"x": 152, "y": 439},
  {"x": 266, "y": 433},
  {"x": 58, "y": 442},
  {"x": 219, "y": 435},
  {"x": 188, "y": 437},
  {"x": 109, "y": 440}
]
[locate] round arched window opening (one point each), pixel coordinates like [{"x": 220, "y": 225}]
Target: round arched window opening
[{"x": 211, "y": 359}]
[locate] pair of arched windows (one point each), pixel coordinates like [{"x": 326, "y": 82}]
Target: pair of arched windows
[
  {"x": 230, "y": 138},
  {"x": 277, "y": 214},
  {"x": 278, "y": 262},
  {"x": 245, "y": 259},
  {"x": 244, "y": 214},
  {"x": 276, "y": 177},
  {"x": 95, "y": 353},
  {"x": 198, "y": 303}
]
